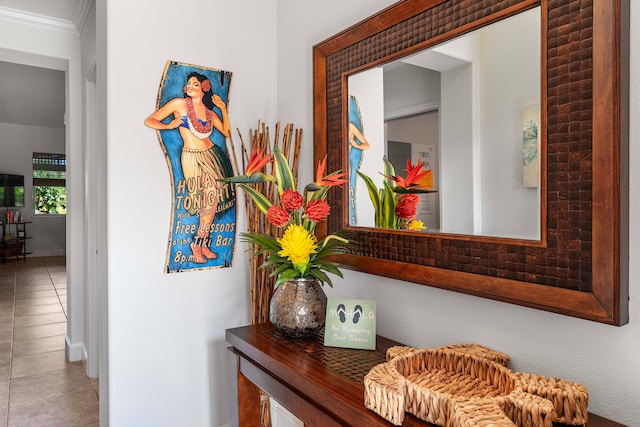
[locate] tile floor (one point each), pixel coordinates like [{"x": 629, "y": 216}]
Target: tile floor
[{"x": 38, "y": 387}]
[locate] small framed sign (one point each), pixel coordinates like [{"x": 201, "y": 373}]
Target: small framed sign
[{"x": 350, "y": 323}]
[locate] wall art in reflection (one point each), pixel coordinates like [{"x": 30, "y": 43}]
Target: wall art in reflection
[{"x": 530, "y": 147}]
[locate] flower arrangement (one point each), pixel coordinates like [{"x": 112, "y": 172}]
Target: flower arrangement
[
  {"x": 298, "y": 253},
  {"x": 396, "y": 204}
]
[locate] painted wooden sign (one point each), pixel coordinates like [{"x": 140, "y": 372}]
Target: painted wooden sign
[
  {"x": 350, "y": 323},
  {"x": 357, "y": 146},
  {"x": 192, "y": 124}
]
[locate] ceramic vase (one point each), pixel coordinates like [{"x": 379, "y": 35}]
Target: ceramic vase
[{"x": 298, "y": 308}]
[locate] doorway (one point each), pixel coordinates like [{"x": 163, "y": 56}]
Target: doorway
[{"x": 417, "y": 138}]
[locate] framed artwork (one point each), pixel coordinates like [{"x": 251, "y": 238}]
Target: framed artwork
[
  {"x": 426, "y": 156},
  {"x": 530, "y": 145}
]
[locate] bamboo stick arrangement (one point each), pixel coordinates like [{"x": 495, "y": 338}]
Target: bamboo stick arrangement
[{"x": 261, "y": 285}]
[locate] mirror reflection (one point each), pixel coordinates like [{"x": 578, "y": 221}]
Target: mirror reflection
[{"x": 469, "y": 111}]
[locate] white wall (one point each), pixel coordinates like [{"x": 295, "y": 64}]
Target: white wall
[
  {"x": 367, "y": 87},
  {"x": 42, "y": 46},
  {"x": 604, "y": 358},
  {"x": 456, "y": 137},
  {"x": 408, "y": 88},
  {"x": 93, "y": 231},
  {"x": 507, "y": 65},
  {"x": 20, "y": 142},
  {"x": 167, "y": 350},
  {"x": 102, "y": 265}
]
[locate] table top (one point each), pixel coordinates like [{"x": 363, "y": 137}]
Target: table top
[{"x": 331, "y": 377}]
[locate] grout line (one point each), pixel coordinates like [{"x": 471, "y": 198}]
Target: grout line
[
  {"x": 57, "y": 293},
  {"x": 20, "y": 273},
  {"x": 13, "y": 327}
]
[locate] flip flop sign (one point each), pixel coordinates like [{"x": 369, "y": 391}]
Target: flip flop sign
[{"x": 350, "y": 323}]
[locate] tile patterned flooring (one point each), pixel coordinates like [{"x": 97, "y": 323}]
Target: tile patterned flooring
[{"x": 38, "y": 387}]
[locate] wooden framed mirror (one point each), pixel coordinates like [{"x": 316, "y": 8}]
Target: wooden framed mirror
[{"x": 579, "y": 265}]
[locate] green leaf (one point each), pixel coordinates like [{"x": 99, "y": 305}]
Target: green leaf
[
  {"x": 333, "y": 240},
  {"x": 388, "y": 217},
  {"x": 254, "y": 178},
  {"x": 267, "y": 264},
  {"x": 330, "y": 252},
  {"x": 383, "y": 199},
  {"x": 389, "y": 170},
  {"x": 259, "y": 199},
  {"x": 373, "y": 191},
  {"x": 314, "y": 192},
  {"x": 280, "y": 269},
  {"x": 287, "y": 275},
  {"x": 264, "y": 241},
  {"x": 412, "y": 190},
  {"x": 321, "y": 276},
  {"x": 283, "y": 173},
  {"x": 331, "y": 245},
  {"x": 329, "y": 267}
]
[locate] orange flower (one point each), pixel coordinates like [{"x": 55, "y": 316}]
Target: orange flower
[
  {"x": 407, "y": 206},
  {"x": 317, "y": 210},
  {"x": 414, "y": 175},
  {"x": 335, "y": 178},
  {"x": 299, "y": 253},
  {"x": 277, "y": 216},
  {"x": 257, "y": 161},
  {"x": 291, "y": 200}
]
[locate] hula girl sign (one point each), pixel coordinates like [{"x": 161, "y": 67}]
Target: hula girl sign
[{"x": 192, "y": 124}]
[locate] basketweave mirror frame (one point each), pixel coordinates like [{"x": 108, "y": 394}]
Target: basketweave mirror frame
[{"x": 579, "y": 267}]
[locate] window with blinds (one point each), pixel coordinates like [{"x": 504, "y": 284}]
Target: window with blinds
[{"x": 49, "y": 183}]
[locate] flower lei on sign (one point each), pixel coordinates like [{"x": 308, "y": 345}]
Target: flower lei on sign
[
  {"x": 298, "y": 253},
  {"x": 201, "y": 130},
  {"x": 396, "y": 204}
]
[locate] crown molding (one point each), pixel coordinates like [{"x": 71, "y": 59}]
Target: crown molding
[{"x": 46, "y": 22}]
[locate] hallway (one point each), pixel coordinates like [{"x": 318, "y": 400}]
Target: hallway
[{"x": 38, "y": 387}]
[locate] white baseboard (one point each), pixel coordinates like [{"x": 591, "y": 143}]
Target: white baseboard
[
  {"x": 72, "y": 351},
  {"x": 37, "y": 253}
]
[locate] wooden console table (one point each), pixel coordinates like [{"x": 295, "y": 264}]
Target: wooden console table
[{"x": 322, "y": 386}]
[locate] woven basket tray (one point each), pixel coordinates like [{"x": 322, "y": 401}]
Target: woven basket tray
[
  {"x": 469, "y": 385},
  {"x": 12, "y": 249}
]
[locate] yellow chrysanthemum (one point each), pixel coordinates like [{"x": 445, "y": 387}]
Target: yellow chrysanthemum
[
  {"x": 416, "y": 224},
  {"x": 297, "y": 245}
]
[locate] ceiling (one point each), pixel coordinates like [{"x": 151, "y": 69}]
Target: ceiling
[{"x": 29, "y": 95}]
